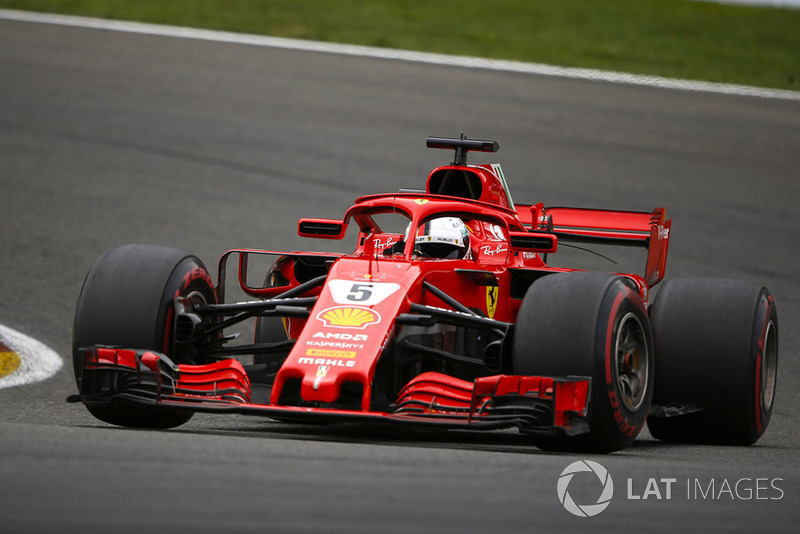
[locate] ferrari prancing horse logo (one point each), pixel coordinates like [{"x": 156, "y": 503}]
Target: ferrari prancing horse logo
[{"x": 491, "y": 300}]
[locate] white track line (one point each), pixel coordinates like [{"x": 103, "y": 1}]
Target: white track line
[
  {"x": 403, "y": 55},
  {"x": 37, "y": 361}
]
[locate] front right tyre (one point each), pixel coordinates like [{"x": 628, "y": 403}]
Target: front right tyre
[{"x": 592, "y": 325}]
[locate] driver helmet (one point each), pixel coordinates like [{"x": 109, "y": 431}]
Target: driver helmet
[{"x": 445, "y": 237}]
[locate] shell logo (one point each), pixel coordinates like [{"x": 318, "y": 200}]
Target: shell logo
[{"x": 349, "y": 317}]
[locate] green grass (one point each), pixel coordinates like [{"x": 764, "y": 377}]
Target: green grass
[{"x": 757, "y": 46}]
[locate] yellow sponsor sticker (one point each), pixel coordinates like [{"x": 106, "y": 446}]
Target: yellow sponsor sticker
[
  {"x": 348, "y": 317},
  {"x": 325, "y": 353}
]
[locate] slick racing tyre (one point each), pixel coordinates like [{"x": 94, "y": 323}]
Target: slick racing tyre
[
  {"x": 717, "y": 354},
  {"x": 127, "y": 301},
  {"x": 592, "y": 325}
]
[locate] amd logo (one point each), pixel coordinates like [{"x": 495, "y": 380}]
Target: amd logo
[{"x": 340, "y": 336}]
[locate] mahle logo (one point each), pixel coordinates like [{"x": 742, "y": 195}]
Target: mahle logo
[{"x": 566, "y": 478}]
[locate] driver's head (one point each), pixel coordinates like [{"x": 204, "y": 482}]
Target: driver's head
[{"x": 445, "y": 237}]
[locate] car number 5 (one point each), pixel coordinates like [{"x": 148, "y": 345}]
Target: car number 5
[{"x": 360, "y": 292}]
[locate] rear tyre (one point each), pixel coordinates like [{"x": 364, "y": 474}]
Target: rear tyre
[
  {"x": 593, "y": 325},
  {"x": 717, "y": 347},
  {"x": 127, "y": 301}
]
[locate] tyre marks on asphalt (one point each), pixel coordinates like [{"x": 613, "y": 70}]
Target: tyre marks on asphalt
[{"x": 24, "y": 360}]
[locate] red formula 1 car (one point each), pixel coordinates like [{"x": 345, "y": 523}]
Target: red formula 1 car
[{"x": 446, "y": 315}]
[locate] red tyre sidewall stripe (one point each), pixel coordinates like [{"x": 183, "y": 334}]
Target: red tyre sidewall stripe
[
  {"x": 609, "y": 334},
  {"x": 622, "y": 423},
  {"x": 759, "y": 356},
  {"x": 762, "y": 341}
]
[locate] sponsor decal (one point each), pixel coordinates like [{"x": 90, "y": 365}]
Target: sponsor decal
[
  {"x": 422, "y": 201},
  {"x": 198, "y": 273},
  {"x": 342, "y": 336},
  {"x": 381, "y": 245},
  {"x": 491, "y": 300},
  {"x": 337, "y": 340},
  {"x": 348, "y": 317},
  {"x": 328, "y": 362},
  {"x": 335, "y": 345},
  {"x": 330, "y": 353},
  {"x": 488, "y": 250}
]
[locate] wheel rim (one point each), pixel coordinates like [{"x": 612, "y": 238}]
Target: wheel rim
[
  {"x": 769, "y": 367},
  {"x": 632, "y": 362}
]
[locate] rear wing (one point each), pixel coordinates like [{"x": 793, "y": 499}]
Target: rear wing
[{"x": 607, "y": 227}]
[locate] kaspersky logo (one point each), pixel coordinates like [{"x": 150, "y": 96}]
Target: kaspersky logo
[
  {"x": 593, "y": 469},
  {"x": 348, "y": 317}
]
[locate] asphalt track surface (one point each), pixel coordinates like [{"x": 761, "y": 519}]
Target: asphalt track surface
[{"x": 109, "y": 138}]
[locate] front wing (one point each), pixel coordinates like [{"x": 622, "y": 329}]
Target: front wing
[{"x": 533, "y": 404}]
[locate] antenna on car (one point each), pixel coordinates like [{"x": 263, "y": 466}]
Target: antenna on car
[{"x": 462, "y": 146}]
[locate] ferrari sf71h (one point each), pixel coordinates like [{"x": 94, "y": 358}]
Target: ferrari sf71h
[{"x": 445, "y": 315}]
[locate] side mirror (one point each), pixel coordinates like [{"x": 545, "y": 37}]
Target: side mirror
[
  {"x": 321, "y": 228},
  {"x": 533, "y": 242}
]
